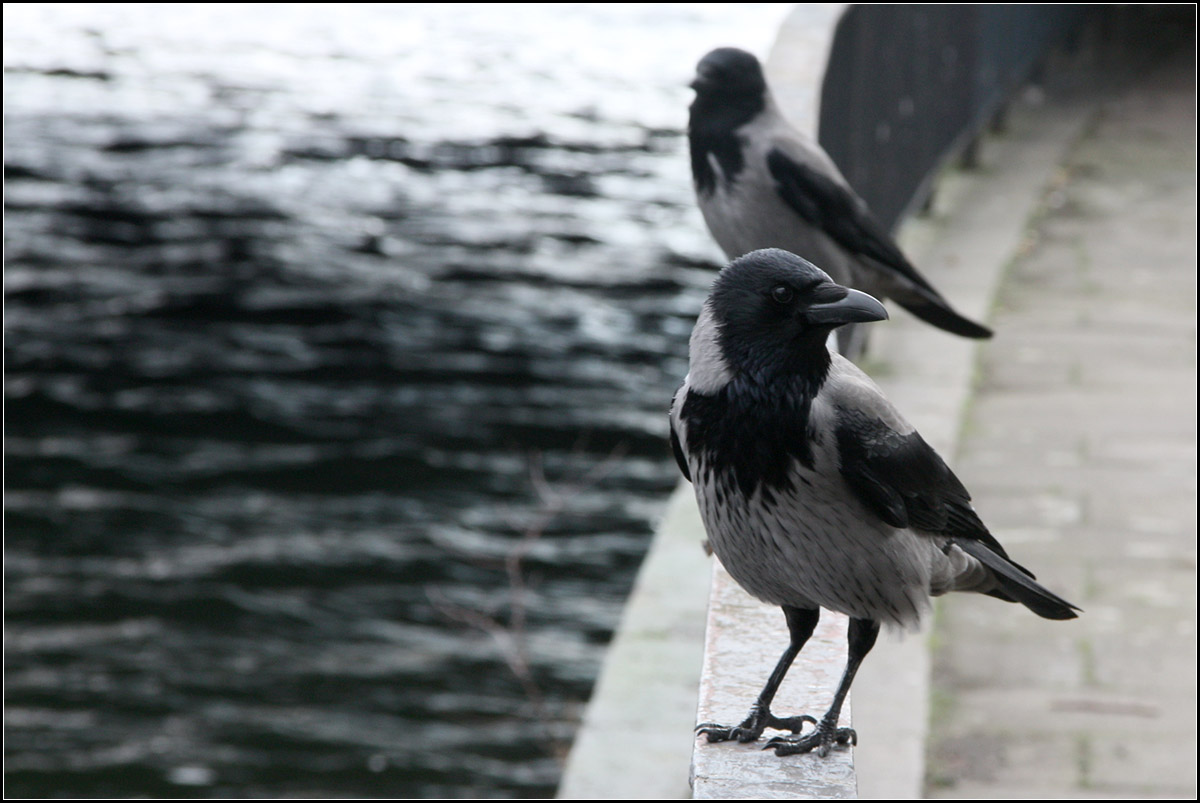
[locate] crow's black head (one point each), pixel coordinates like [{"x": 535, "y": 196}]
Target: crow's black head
[
  {"x": 729, "y": 72},
  {"x": 774, "y": 312},
  {"x": 730, "y": 92}
]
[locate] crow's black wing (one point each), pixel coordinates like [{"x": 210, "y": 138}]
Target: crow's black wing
[
  {"x": 907, "y": 484},
  {"x": 827, "y": 204},
  {"x": 904, "y": 481},
  {"x": 832, "y": 207}
]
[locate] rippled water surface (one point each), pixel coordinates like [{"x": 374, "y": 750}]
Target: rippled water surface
[{"x": 339, "y": 341}]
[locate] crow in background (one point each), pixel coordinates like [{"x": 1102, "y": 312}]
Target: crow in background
[{"x": 763, "y": 184}]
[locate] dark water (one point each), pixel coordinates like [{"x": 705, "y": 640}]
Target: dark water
[{"x": 338, "y": 347}]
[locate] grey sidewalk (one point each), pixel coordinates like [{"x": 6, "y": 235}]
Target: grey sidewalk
[
  {"x": 1079, "y": 445},
  {"x": 1080, "y": 450}
]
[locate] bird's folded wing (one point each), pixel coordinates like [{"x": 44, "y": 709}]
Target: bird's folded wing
[
  {"x": 904, "y": 481},
  {"x": 828, "y": 204}
]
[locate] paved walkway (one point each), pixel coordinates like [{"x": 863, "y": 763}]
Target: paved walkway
[
  {"x": 1080, "y": 449},
  {"x": 1079, "y": 445}
]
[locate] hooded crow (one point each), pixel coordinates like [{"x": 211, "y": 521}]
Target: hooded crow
[
  {"x": 762, "y": 184},
  {"x": 815, "y": 492}
]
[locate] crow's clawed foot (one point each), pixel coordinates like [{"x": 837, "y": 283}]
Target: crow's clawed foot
[
  {"x": 753, "y": 726},
  {"x": 823, "y": 739},
  {"x": 724, "y": 733}
]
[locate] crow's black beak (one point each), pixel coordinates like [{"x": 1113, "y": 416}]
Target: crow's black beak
[{"x": 856, "y": 307}]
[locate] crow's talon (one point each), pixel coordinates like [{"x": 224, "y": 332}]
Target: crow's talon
[
  {"x": 723, "y": 733},
  {"x": 821, "y": 739},
  {"x": 753, "y": 726}
]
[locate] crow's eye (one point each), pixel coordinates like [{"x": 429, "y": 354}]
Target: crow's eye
[{"x": 782, "y": 294}]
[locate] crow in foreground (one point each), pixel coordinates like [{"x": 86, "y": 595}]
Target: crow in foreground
[
  {"x": 814, "y": 490},
  {"x": 763, "y": 184}
]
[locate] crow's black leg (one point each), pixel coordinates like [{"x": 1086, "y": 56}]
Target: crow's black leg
[
  {"x": 861, "y": 635},
  {"x": 801, "y": 623}
]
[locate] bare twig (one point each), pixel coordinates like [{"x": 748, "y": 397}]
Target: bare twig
[{"x": 511, "y": 639}]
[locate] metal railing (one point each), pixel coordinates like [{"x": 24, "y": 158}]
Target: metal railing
[{"x": 909, "y": 86}]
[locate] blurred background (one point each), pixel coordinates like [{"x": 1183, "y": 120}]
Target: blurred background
[{"x": 339, "y": 341}]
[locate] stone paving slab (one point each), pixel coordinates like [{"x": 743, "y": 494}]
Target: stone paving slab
[{"x": 1080, "y": 450}]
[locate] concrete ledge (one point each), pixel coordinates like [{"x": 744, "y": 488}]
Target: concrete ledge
[{"x": 744, "y": 637}]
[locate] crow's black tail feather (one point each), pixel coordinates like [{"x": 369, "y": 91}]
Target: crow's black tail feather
[
  {"x": 1018, "y": 585},
  {"x": 936, "y": 312}
]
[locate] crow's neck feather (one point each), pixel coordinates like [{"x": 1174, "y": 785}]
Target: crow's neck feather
[
  {"x": 747, "y": 435},
  {"x": 712, "y": 129}
]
